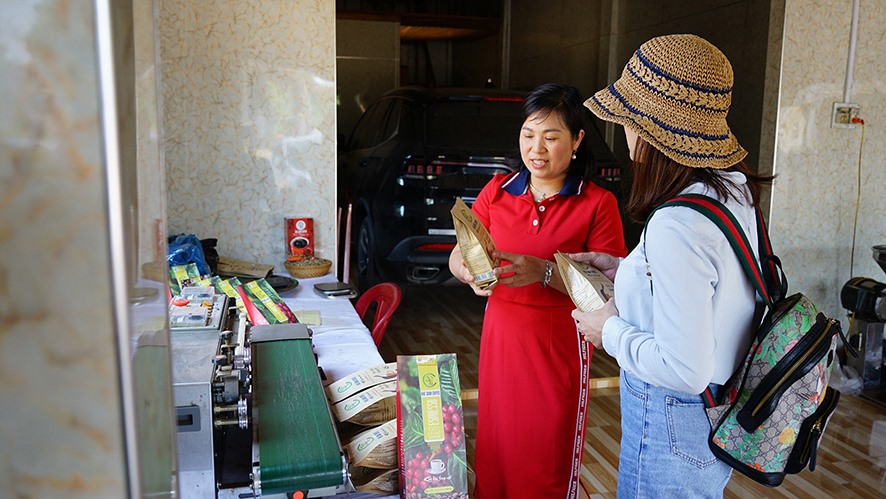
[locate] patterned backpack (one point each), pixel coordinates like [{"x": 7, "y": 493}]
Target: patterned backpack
[{"x": 771, "y": 414}]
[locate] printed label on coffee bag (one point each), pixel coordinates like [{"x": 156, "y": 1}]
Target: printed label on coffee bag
[
  {"x": 431, "y": 408},
  {"x": 586, "y": 285},
  {"x": 372, "y": 406},
  {"x": 269, "y": 302},
  {"x": 374, "y": 480},
  {"x": 375, "y": 447},
  {"x": 475, "y": 244},
  {"x": 299, "y": 238},
  {"x": 361, "y": 380}
]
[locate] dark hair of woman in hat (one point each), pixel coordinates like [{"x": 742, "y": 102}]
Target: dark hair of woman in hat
[
  {"x": 683, "y": 312},
  {"x": 658, "y": 178}
]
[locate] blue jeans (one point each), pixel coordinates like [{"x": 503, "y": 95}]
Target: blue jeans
[{"x": 664, "y": 445}]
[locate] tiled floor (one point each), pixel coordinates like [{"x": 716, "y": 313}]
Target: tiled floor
[{"x": 852, "y": 457}]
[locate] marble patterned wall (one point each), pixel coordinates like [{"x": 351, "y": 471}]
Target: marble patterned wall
[
  {"x": 61, "y": 430},
  {"x": 248, "y": 98},
  {"x": 829, "y": 198}
]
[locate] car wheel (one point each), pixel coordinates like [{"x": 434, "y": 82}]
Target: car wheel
[{"x": 367, "y": 274}]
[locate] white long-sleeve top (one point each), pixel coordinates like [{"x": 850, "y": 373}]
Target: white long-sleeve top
[{"x": 694, "y": 325}]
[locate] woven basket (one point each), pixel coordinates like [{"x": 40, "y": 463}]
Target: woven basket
[{"x": 312, "y": 267}]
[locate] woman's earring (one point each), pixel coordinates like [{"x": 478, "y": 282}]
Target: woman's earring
[{"x": 573, "y": 154}]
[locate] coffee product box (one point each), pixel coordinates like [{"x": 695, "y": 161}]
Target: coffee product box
[
  {"x": 589, "y": 288},
  {"x": 371, "y": 407},
  {"x": 358, "y": 381},
  {"x": 299, "y": 238},
  {"x": 375, "y": 447},
  {"x": 430, "y": 427},
  {"x": 475, "y": 244}
]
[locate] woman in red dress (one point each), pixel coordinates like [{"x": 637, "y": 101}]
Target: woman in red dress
[{"x": 533, "y": 364}]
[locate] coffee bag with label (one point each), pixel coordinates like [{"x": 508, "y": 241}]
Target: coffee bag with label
[
  {"x": 356, "y": 382},
  {"x": 375, "y": 447},
  {"x": 585, "y": 284},
  {"x": 374, "y": 480},
  {"x": 299, "y": 238},
  {"x": 372, "y": 406},
  {"x": 475, "y": 244},
  {"x": 431, "y": 444}
]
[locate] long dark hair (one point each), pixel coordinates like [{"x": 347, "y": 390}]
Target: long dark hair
[
  {"x": 566, "y": 101},
  {"x": 658, "y": 178}
]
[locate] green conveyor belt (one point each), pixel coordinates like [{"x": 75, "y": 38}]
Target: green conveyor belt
[{"x": 298, "y": 446}]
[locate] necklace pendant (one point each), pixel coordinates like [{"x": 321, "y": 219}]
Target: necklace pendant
[{"x": 542, "y": 195}]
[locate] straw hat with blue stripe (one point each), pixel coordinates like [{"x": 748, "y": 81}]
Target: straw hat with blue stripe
[{"x": 675, "y": 93}]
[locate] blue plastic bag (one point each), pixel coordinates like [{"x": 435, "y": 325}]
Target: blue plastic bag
[{"x": 185, "y": 249}]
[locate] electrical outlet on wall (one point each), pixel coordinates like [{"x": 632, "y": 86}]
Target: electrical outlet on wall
[{"x": 842, "y": 114}]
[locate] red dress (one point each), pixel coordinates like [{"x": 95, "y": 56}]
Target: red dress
[{"x": 533, "y": 363}]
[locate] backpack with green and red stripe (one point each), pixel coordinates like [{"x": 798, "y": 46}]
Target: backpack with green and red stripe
[{"x": 769, "y": 417}]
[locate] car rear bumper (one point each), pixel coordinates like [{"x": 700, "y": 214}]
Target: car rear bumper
[{"x": 421, "y": 259}]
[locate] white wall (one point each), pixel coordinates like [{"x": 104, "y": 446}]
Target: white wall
[
  {"x": 816, "y": 194},
  {"x": 248, "y": 98}
]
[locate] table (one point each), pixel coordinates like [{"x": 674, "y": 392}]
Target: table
[{"x": 342, "y": 343}]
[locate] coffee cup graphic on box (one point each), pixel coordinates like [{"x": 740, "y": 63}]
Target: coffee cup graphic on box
[
  {"x": 299, "y": 238},
  {"x": 437, "y": 466}
]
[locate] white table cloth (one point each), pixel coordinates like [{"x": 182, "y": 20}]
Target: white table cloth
[{"x": 342, "y": 343}]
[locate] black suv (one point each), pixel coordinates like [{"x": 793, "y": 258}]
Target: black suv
[{"x": 410, "y": 155}]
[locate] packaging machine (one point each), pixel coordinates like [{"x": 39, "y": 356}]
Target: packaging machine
[{"x": 252, "y": 416}]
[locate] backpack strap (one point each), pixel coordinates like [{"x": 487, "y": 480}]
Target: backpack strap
[
  {"x": 725, "y": 220},
  {"x": 776, "y": 281},
  {"x": 768, "y": 280}
]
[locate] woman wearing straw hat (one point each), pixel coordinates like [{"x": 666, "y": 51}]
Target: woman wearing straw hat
[
  {"x": 683, "y": 310},
  {"x": 533, "y": 364}
]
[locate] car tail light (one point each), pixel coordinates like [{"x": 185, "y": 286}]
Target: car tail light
[
  {"x": 611, "y": 173},
  {"x": 436, "y": 247},
  {"x": 503, "y": 99},
  {"x": 422, "y": 170}
]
